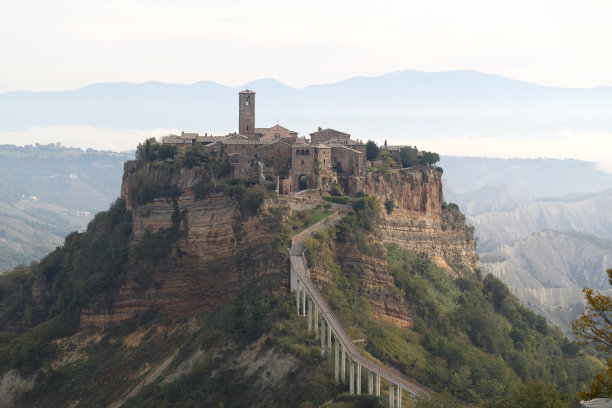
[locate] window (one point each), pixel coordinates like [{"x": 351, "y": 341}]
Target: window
[
  {"x": 297, "y": 152},
  {"x": 302, "y": 161},
  {"x": 323, "y": 161},
  {"x": 247, "y": 100}
]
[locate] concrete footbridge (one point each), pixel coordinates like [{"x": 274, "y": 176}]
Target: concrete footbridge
[{"x": 323, "y": 322}]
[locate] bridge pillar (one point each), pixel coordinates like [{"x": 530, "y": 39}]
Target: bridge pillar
[
  {"x": 304, "y": 299},
  {"x": 351, "y": 377},
  {"x": 309, "y": 316},
  {"x": 399, "y": 396},
  {"x": 322, "y": 337},
  {"x": 329, "y": 333},
  {"x": 336, "y": 371},
  {"x": 370, "y": 383},
  {"x": 316, "y": 320},
  {"x": 343, "y": 364},
  {"x": 377, "y": 385},
  {"x": 391, "y": 394},
  {"x": 297, "y": 297},
  {"x": 358, "y": 379}
]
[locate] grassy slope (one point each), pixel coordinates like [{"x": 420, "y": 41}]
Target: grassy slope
[{"x": 472, "y": 339}]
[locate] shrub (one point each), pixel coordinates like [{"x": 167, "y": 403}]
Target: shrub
[
  {"x": 194, "y": 155},
  {"x": 252, "y": 198},
  {"x": 144, "y": 188},
  {"x": 337, "y": 200},
  {"x": 389, "y": 205},
  {"x": 150, "y": 150},
  {"x": 367, "y": 210},
  {"x": 408, "y": 156}
]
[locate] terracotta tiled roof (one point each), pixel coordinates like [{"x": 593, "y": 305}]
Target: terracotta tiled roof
[{"x": 330, "y": 132}]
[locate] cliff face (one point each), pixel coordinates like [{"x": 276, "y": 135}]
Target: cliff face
[
  {"x": 374, "y": 283},
  {"x": 419, "y": 221},
  {"x": 217, "y": 248}
]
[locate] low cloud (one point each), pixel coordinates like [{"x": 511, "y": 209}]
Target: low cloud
[
  {"x": 566, "y": 144},
  {"x": 83, "y": 137}
]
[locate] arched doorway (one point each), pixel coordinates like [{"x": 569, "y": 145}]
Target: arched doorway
[{"x": 303, "y": 182}]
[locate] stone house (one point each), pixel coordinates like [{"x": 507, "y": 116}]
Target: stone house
[{"x": 324, "y": 135}]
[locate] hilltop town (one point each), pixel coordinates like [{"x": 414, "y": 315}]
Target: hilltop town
[{"x": 293, "y": 163}]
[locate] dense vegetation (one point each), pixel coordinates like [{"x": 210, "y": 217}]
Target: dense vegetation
[
  {"x": 472, "y": 339},
  {"x": 88, "y": 263},
  {"x": 408, "y": 155}
]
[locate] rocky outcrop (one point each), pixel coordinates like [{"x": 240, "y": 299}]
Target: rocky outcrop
[
  {"x": 419, "y": 219},
  {"x": 217, "y": 249},
  {"x": 373, "y": 280}
]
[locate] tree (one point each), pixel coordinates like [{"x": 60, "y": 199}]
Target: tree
[
  {"x": 146, "y": 151},
  {"x": 408, "y": 156},
  {"x": 595, "y": 326},
  {"x": 166, "y": 152},
  {"x": 431, "y": 158},
  {"x": 372, "y": 150},
  {"x": 595, "y": 323},
  {"x": 385, "y": 155}
]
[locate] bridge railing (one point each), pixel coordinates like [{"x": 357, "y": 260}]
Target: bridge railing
[{"x": 299, "y": 268}]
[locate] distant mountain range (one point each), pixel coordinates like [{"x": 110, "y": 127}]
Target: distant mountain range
[{"x": 399, "y": 105}]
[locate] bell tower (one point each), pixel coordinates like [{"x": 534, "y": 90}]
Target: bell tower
[{"x": 246, "y": 112}]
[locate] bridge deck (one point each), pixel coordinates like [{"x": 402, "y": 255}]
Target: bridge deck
[{"x": 298, "y": 267}]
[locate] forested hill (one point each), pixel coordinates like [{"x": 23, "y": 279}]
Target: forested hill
[{"x": 47, "y": 192}]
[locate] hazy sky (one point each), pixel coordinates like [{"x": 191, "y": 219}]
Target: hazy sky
[{"x": 66, "y": 44}]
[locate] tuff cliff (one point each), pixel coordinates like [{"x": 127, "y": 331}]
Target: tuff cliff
[
  {"x": 214, "y": 246},
  {"x": 420, "y": 220},
  {"x": 414, "y": 216}
]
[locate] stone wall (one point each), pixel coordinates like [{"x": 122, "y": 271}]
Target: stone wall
[
  {"x": 276, "y": 157},
  {"x": 346, "y": 160}
]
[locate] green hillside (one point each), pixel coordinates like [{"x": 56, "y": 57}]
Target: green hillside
[{"x": 47, "y": 192}]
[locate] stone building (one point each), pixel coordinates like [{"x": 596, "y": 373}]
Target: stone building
[
  {"x": 278, "y": 132},
  {"x": 347, "y": 161},
  {"x": 324, "y": 135},
  {"x": 246, "y": 112},
  {"x": 311, "y": 166},
  {"x": 279, "y": 155}
]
